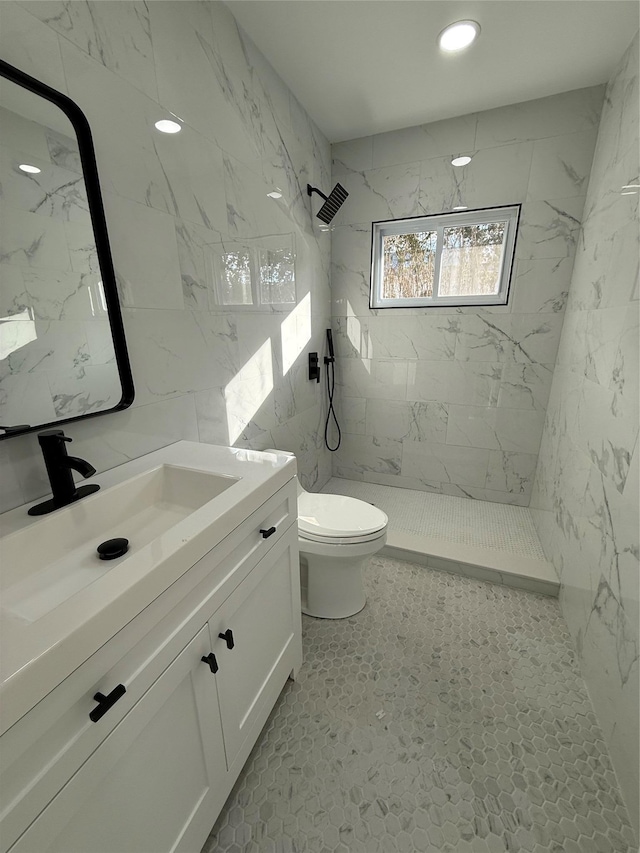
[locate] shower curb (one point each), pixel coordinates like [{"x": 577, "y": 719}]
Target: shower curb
[{"x": 483, "y": 564}]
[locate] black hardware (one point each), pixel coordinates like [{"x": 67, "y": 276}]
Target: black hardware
[
  {"x": 211, "y": 662},
  {"x": 113, "y": 548},
  {"x": 101, "y": 237},
  {"x": 106, "y": 702},
  {"x": 332, "y": 203},
  {"x": 59, "y": 466},
  {"x": 267, "y": 533},
  {"x": 314, "y": 366},
  {"x": 228, "y": 638},
  {"x": 330, "y": 361}
]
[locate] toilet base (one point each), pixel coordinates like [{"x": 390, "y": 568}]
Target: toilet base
[{"x": 332, "y": 588}]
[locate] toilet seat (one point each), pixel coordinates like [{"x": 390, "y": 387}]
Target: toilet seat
[{"x": 338, "y": 519}]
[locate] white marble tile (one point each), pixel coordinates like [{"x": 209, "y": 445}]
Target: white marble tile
[
  {"x": 561, "y": 165},
  {"x": 127, "y": 161},
  {"x": 116, "y": 34},
  {"x": 459, "y": 382},
  {"x": 386, "y": 193},
  {"x": 517, "y": 430},
  {"x": 586, "y": 486},
  {"x": 441, "y": 463},
  {"x": 525, "y": 386},
  {"x": 366, "y": 453},
  {"x": 482, "y": 494},
  {"x": 400, "y": 420},
  {"x": 147, "y": 269},
  {"x": 54, "y": 192},
  {"x": 10, "y": 493},
  {"x": 411, "y": 144},
  {"x": 549, "y": 229},
  {"x": 494, "y": 176},
  {"x": 521, "y": 338},
  {"x": 569, "y": 112},
  {"x": 355, "y": 155},
  {"x": 352, "y": 414},
  {"x": 372, "y": 378},
  {"x": 30, "y": 45},
  {"x": 541, "y": 285}
]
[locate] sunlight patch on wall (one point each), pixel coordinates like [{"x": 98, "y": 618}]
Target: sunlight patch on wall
[
  {"x": 295, "y": 333},
  {"x": 247, "y": 391}
]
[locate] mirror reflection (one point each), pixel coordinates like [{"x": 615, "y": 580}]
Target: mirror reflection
[{"x": 57, "y": 357}]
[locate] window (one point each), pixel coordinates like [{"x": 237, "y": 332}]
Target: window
[{"x": 456, "y": 258}]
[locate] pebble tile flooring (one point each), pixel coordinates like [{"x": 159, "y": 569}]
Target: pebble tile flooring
[
  {"x": 448, "y": 716},
  {"x": 484, "y": 524}
]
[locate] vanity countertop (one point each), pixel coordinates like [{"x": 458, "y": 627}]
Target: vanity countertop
[{"x": 40, "y": 649}]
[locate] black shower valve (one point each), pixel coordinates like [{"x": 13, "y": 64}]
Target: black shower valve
[{"x": 314, "y": 366}]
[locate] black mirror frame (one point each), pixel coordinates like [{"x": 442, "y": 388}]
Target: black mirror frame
[{"x": 99, "y": 223}]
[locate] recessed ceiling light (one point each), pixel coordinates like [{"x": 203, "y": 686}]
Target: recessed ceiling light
[
  {"x": 461, "y": 207},
  {"x": 166, "y": 125},
  {"x": 30, "y": 170},
  {"x": 275, "y": 194},
  {"x": 461, "y": 161},
  {"x": 458, "y": 36}
]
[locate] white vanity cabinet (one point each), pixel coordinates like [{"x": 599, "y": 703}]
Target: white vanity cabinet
[{"x": 152, "y": 774}]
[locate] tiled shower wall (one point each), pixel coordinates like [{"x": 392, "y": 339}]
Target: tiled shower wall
[
  {"x": 444, "y": 399},
  {"x": 173, "y": 204},
  {"x": 585, "y": 497}
]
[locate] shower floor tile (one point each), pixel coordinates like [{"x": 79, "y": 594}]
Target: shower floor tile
[
  {"x": 448, "y": 716},
  {"x": 484, "y": 524}
]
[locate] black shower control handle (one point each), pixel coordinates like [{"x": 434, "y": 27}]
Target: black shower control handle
[
  {"x": 228, "y": 638},
  {"x": 211, "y": 662},
  {"x": 106, "y": 702},
  {"x": 267, "y": 533}
]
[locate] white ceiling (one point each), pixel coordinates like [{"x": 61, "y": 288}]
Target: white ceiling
[{"x": 366, "y": 66}]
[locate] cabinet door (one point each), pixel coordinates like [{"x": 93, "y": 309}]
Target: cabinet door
[
  {"x": 155, "y": 781},
  {"x": 264, "y": 616}
]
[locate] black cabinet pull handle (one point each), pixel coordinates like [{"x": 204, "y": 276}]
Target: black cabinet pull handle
[
  {"x": 211, "y": 661},
  {"x": 267, "y": 533},
  {"x": 228, "y": 638},
  {"x": 106, "y": 702}
]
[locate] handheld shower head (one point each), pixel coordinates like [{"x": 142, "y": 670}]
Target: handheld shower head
[{"x": 332, "y": 203}]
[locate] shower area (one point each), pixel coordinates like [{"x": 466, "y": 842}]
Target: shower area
[{"x": 440, "y": 405}]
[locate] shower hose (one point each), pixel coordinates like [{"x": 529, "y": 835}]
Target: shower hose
[{"x": 331, "y": 387}]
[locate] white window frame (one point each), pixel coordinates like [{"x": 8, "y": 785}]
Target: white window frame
[{"x": 438, "y": 222}]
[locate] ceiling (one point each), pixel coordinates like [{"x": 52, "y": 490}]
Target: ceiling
[{"x": 366, "y": 66}]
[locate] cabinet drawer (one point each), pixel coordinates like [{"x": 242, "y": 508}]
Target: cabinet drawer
[{"x": 43, "y": 749}]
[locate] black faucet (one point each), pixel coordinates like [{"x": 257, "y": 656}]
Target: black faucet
[{"x": 59, "y": 465}]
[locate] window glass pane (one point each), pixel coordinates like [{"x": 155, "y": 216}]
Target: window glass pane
[
  {"x": 408, "y": 265},
  {"x": 234, "y": 277},
  {"x": 471, "y": 259}
]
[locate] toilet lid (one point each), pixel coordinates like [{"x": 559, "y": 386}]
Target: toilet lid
[{"x": 338, "y": 516}]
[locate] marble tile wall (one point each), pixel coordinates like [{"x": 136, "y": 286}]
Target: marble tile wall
[
  {"x": 174, "y": 204},
  {"x": 453, "y": 400},
  {"x": 585, "y": 495}
]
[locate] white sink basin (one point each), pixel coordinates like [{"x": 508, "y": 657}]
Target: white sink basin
[
  {"x": 40, "y": 572},
  {"x": 60, "y": 603}
]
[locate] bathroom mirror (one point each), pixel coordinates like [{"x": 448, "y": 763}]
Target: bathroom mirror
[{"x": 63, "y": 354}]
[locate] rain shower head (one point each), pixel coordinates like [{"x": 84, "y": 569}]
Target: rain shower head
[{"x": 332, "y": 203}]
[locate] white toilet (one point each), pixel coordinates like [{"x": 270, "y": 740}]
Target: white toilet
[{"x": 337, "y": 535}]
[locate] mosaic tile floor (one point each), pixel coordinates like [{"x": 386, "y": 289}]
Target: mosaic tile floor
[
  {"x": 469, "y": 522},
  {"x": 449, "y": 716}
]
